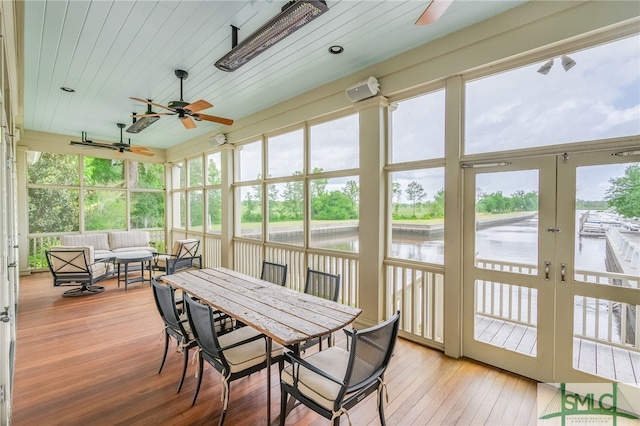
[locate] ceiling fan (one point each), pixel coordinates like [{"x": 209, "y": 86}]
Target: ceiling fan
[
  {"x": 117, "y": 146},
  {"x": 185, "y": 110},
  {"x": 433, "y": 12}
]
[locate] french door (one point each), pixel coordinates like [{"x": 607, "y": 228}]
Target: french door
[{"x": 550, "y": 289}]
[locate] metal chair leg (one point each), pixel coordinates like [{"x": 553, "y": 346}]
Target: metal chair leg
[
  {"x": 184, "y": 367},
  {"x": 166, "y": 348}
]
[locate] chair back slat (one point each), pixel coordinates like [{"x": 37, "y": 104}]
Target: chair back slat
[
  {"x": 322, "y": 284},
  {"x": 274, "y": 273}
]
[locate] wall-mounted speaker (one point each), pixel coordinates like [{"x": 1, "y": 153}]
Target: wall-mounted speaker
[
  {"x": 363, "y": 89},
  {"x": 218, "y": 139}
]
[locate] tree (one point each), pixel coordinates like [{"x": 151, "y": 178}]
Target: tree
[
  {"x": 318, "y": 186},
  {"x": 624, "y": 193},
  {"x": 352, "y": 190},
  {"x": 396, "y": 195},
  {"x": 436, "y": 208},
  {"x": 293, "y": 197},
  {"x": 415, "y": 194},
  {"x": 335, "y": 205}
]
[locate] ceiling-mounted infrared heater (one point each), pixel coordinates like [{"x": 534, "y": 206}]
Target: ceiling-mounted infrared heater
[{"x": 293, "y": 16}]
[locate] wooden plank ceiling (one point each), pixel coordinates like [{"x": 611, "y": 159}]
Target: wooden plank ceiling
[{"x": 110, "y": 50}]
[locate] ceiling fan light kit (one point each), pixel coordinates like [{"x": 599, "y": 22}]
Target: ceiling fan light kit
[{"x": 293, "y": 16}]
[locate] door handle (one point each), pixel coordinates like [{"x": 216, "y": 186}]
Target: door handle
[
  {"x": 563, "y": 269},
  {"x": 547, "y": 266}
]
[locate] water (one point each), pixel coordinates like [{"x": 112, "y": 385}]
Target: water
[{"x": 513, "y": 242}]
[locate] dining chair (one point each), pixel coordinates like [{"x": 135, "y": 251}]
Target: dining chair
[
  {"x": 176, "y": 325},
  {"x": 327, "y": 286},
  {"x": 332, "y": 381},
  {"x": 234, "y": 355},
  {"x": 274, "y": 272}
]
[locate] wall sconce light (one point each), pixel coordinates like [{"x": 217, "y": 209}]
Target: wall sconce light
[
  {"x": 293, "y": 16},
  {"x": 567, "y": 63},
  {"x": 546, "y": 67}
]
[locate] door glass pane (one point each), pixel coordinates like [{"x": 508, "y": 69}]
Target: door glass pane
[
  {"x": 608, "y": 224},
  {"x": 506, "y": 316},
  {"x": 506, "y": 236},
  {"x": 605, "y": 338}
]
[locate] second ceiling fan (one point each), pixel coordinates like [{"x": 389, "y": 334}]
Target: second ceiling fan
[{"x": 186, "y": 111}]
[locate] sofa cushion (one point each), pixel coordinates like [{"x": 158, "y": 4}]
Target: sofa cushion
[
  {"x": 129, "y": 241},
  {"x": 128, "y": 249},
  {"x": 99, "y": 241}
]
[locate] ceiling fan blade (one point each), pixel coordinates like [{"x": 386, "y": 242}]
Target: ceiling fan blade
[
  {"x": 150, "y": 103},
  {"x": 141, "y": 150},
  {"x": 213, "y": 118},
  {"x": 188, "y": 123},
  {"x": 198, "y": 106},
  {"x": 433, "y": 12}
]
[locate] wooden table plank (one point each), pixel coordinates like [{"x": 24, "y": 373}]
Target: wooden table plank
[
  {"x": 303, "y": 306},
  {"x": 285, "y": 315}
]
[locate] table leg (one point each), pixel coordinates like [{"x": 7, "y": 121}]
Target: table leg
[
  {"x": 126, "y": 274},
  {"x": 269, "y": 344},
  {"x": 118, "y": 275}
]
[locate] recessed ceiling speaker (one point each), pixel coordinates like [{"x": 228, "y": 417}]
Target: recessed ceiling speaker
[{"x": 363, "y": 89}]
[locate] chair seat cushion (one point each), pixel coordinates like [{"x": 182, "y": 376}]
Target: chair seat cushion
[
  {"x": 333, "y": 361},
  {"x": 247, "y": 355}
]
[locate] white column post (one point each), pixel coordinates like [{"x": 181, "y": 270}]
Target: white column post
[{"x": 373, "y": 144}]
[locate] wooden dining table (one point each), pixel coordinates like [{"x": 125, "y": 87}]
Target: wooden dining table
[{"x": 286, "y": 316}]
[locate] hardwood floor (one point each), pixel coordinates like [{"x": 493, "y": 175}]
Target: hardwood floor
[{"x": 94, "y": 360}]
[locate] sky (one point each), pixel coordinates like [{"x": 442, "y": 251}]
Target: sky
[{"x": 598, "y": 98}]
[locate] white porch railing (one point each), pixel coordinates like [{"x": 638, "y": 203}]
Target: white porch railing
[
  {"x": 418, "y": 292},
  {"x": 595, "y": 319},
  {"x": 248, "y": 257}
]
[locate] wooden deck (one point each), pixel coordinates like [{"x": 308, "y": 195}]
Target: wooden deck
[
  {"x": 94, "y": 360},
  {"x": 603, "y": 360}
]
